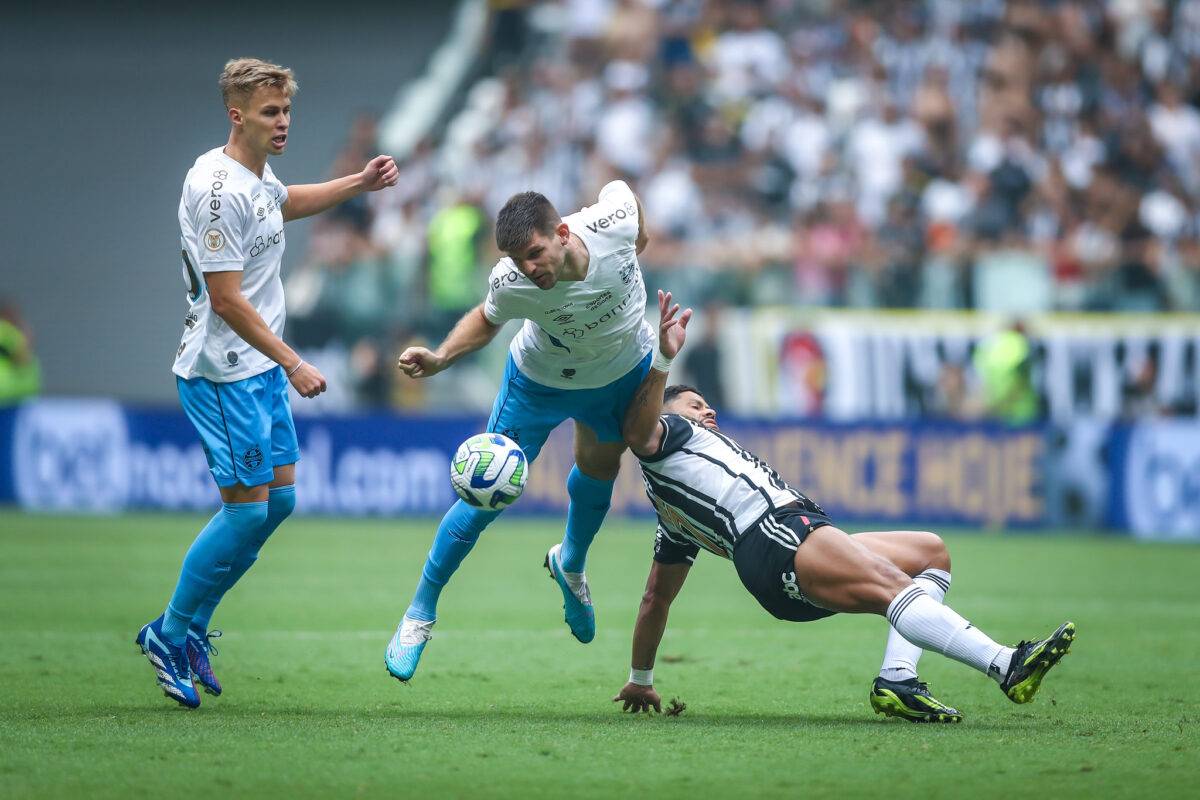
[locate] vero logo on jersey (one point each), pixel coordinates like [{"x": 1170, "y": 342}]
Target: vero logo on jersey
[
  {"x": 214, "y": 195},
  {"x": 509, "y": 277},
  {"x": 626, "y": 211}
]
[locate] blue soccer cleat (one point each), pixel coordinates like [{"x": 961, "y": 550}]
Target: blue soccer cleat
[
  {"x": 170, "y": 664},
  {"x": 577, "y": 599},
  {"x": 404, "y": 650},
  {"x": 198, "y": 649}
]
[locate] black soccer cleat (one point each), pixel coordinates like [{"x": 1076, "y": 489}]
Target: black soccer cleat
[
  {"x": 1031, "y": 662},
  {"x": 910, "y": 700}
]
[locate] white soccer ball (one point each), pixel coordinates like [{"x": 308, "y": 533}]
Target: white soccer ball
[{"x": 489, "y": 471}]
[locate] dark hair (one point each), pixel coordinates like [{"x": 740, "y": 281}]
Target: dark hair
[
  {"x": 674, "y": 390},
  {"x": 521, "y": 216}
]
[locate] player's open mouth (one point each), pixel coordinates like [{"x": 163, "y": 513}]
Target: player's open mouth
[{"x": 279, "y": 140}]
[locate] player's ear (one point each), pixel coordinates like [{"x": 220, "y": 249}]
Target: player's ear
[
  {"x": 235, "y": 116},
  {"x": 564, "y": 233}
]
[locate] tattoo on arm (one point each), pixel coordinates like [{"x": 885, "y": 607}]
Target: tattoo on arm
[{"x": 643, "y": 396}]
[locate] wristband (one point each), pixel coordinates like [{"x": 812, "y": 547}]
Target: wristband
[
  {"x": 642, "y": 677},
  {"x": 661, "y": 362},
  {"x": 296, "y": 368}
]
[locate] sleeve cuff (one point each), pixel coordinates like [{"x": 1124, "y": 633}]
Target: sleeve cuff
[{"x": 228, "y": 265}]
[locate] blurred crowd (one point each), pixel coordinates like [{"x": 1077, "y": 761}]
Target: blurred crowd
[
  {"x": 20, "y": 370},
  {"x": 1019, "y": 157}
]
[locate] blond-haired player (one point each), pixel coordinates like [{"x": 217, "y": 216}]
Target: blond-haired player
[{"x": 232, "y": 367}]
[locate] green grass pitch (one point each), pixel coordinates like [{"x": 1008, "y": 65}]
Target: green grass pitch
[{"x": 507, "y": 704}]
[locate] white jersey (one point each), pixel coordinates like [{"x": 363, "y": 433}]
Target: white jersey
[
  {"x": 229, "y": 220},
  {"x": 707, "y": 489},
  {"x": 588, "y": 333}
]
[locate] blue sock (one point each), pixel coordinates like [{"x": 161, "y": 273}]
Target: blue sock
[
  {"x": 456, "y": 535},
  {"x": 590, "y": 499},
  {"x": 280, "y": 503},
  {"x": 208, "y": 561}
]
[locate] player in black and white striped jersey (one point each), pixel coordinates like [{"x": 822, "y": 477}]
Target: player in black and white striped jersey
[{"x": 710, "y": 493}]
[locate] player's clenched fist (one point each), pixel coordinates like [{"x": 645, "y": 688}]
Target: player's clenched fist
[
  {"x": 307, "y": 380},
  {"x": 380, "y": 171},
  {"x": 420, "y": 362},
  {"x": 638, "y": 698}
]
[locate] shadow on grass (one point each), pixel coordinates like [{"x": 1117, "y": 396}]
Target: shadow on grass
[{"x": 402, "y": 719}]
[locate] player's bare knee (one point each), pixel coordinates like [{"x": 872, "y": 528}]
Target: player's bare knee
[{"x": 939, "y": 554}]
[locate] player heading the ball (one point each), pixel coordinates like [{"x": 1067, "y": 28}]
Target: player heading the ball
[{"x": 582, "y": 351}]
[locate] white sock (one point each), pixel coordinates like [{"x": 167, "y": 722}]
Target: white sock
[
  {"x": 900, "y": 657},
  {"x": 933, "y": 626}
]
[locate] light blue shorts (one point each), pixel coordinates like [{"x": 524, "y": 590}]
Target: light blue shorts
[
  {"x": 245, "y": 426},
  {"x": 526, "y": 411}
]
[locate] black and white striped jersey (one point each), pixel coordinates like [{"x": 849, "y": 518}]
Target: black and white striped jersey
[{"x": 708, "y": 490}]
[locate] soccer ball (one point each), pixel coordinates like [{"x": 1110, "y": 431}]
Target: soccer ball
[{"x": 488, "y": 471}]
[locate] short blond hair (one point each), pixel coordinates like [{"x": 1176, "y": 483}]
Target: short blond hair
[{"x": 242, "y": 76}]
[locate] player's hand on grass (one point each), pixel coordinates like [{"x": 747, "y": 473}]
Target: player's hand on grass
[
  {"x": 637, "y": 697},
  {"x": 380, "y": 171},
  {"x": 420, "y": 362},
  {"x": 307, "y": 380},
  {"x": 672, "y": 330}
]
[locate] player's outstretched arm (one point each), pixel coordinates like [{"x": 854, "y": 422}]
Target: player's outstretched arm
[
  {"x": 662, "y": 587},
  {"x": 641, "y": 428},
  {"x": 228, "y": 303},
  {"x": 470, "y": 333},
  {"x": 307, "y": 199}
]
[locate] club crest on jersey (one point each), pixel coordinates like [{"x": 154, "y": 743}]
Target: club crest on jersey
[
  {"x": 252, "y": 458},
  {"x": 232, "y": 358},
  {"x": 214, "y": 240},
  {"x": 627, "y": 268}
]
